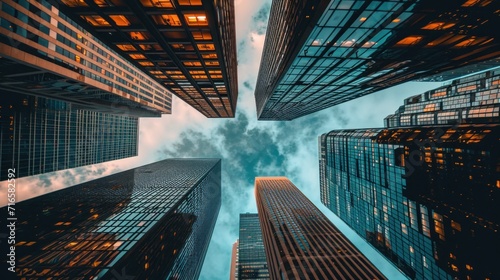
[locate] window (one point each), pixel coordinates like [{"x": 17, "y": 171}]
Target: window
[
  {"x": 190, "y": 2},
  {"x": 192, "y": 63},
  {"x": 202, "y": 35},
  {"x": 137, "y": 56},
  {"x": 206, "y": 47},
  {"x": 196, "y": 19},
  {"x": 213, "y": 56},
  {"x": 120, "y": 20},
  {"x": 167, "y": 19},
  {"x": 410, "y": 40},
  {"x": 211, "y": 63},
  {"x": 438, "y": 25},
  {"x": 157, "y": 3},
  {"x": 96, "y": 20},
  {"x": 139, "y": 36},
  {"x": 126, "y": 47},
  {"x": 146, "y": 63},
  {"x": 74, "y": 3}
]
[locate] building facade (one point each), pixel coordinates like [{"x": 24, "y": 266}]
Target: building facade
[
  {"x": 318, "y": 54},
  {"x": 251, "y": 256},
  {"x": 40, "y": 135},
  {"x": 233, "y": 270},
  {"x": 150, "y": 222},
  {"x": 472, "y": 99},
  {"x": 424, "y": 196},
  {"x": 46, "y": 54},
  {"x": 189, "y": 46},
  {"x": 300, "y": 242}
]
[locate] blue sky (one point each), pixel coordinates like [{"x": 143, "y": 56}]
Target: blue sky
[{"x": 248, "y": 148}]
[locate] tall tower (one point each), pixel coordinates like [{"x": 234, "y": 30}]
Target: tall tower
[
  {"x": 188, "y": 46},
  {"x": 251, "y": 256},
  {"x": 40, "y": 135},
  {"x": 150, "y": 222},
  {"x": 425, "y": 191},
  {"x": 46, "y": 54},
  {"x": 300, "y": 242},
  {"x": 318, "y": 54}
]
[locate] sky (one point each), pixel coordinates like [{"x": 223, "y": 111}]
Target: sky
[{"x": 248, "y": 148}]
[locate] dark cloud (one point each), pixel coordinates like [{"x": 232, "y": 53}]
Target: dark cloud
[{"x": 248, "y": 85}]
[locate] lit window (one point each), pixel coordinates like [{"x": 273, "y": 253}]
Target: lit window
[
  {"x": 182, "y": 47},
  {"x": 362, "y": 19},
  {"x": 215, "y": 71},
  {"x": 196, "y": 72},
  {"x": 146, "y": 63},
  {"x": 211, "y": 63},
  {"x": 198, "y": 77},
  {"x": 466, "y": 43},
  {"x": 96, "y": 20},
  {"x": 156, "y": 72},
  {"x": 173, "y": 72},
  {"x": 120, "y": 20},
  {"x": 439, "y": 25},
  {"x": 191, "y": 63},
  {"x": 74, "y": 3},
  {"x": 196, "y": 19},
  {"x": 396, "y": 20},
  {"x": 139, "y": 36},
  {"x": 410, "y": 40},
  {"x": 126, "y": 47},
  {"x": 189, "y": 2},
  {"x": 469, "y": 267},
  {"x": 456, "y": 225},
  {"x": 202, "y": 35},
  {"x": 157, "y": 3},
  {"x": 178, "y": 77},
  {"x": 469, "y": 3},
  {"x": 209, "y": 56},
  {"x": 454, "y": 267},
  {"x": 170, "y": 20},
  {"x": 137, "y": 56},
  {"x": 206, "y": 47}
]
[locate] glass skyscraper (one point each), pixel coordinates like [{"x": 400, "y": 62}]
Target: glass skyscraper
[
  {"x": 150, "y": 222},
  {"x": 300, "y": 242},
  {"x": 318, "y": 54},
  {"x": 40, "y": 135},
  {"x": 46, "y": 54},
  {"x": 473, "y": 99},
  {"x": 188, "y": 46},
  {"x": 426, "y": 197},
  {"x": 250, "y": 259}
]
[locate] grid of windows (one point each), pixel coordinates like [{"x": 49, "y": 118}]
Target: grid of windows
[
  {"x": 172, "y": 36},
  {"x": 40, "y": 135},
  {"x": 153, "y": 221},
  {"x": 322, "y": 53},
  {"x": 418, "y": 194},
  {"x": 474, "y": 99},
  {"x": 251, "y": 254},
  {"x": 300, "y": 242},
  {"x": 77, "y": 66}
]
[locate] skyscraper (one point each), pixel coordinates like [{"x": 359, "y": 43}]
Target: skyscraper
[
  {"x": 44, "y": 53},
  {"x": 250, "y": 258},
  {"x": 189, "y": 46},
  {"x": 40, "y": 135},
  {"x": 472, "y": 99},
  {"x": 300, "y": 242},
  {"x": 318, "y": 54},
  {"x": 424, "y": 191},
  {"x": 233, "y": 270},
  {"x": 150, "y": 222}
]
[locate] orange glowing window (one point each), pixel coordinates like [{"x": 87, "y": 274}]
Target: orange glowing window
[
  {"x": 137, "y": 56},
  {"x": 206, "y": 47},
  {"x": 120, "y": 20},
  {"x": 196, "y": 72},
  {"x": 469, "y": 3},
  {"x": 126, "y": 47},
  {"x": 438, "y": 25},
  {"x": 96, "y": 20},
  {"x": 173, "y": 72},
  {"x": 215, "y": 71},
  {"x": 157, "y": 3},
  {"x": 190, "y": 2},
  {"x": 167, "y": 19},
  {"x": 202, "y": 35},
  {"x": 199, "y": 77},
  {"x": 139, "y": 36},
  {"x": 146, "y": 63},
  {"x": 216, "y": 76},
  {"x": 182, "y": 47},
  {"x": 362, "y": 19},
  {"x": 150, "y": 47},
  {"x": 178, "y": 77},
  {"x": 209, "y": 56},
  {"x": 211, "y": 63},
  {"x": 410, "y": 40},
  {"x": 466, "y": 43},
  {"x": 196, "y": 19},
  {"x": 156, "y": 72},
  {"x": 396, "y": 20},
  {"x": 74, "y": 3},
  {"x": 161, "y": 76},
  {"x": 192, "y": 63}
]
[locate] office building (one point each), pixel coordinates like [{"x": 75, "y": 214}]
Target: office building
[
  {"x": 472, "y": 99},
  {"x": 149, "y": 222},
  {"x": 233, "y": 270},
  {"x": 424, "y": 196},
  {"x": 300, "y": 242},
  {"x": 188, "y": 46},
  {"x": 46, "y": 54},
  {"x": 40, "y": 135},
  {"x": 250, "y": 258},
  {"x": 318, "y": 54}
]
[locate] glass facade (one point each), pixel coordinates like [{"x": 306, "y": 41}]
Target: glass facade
[
  {"x": 426, "y": 197},
  {"x": 44, "y": 53},
  {"x": 318, "y": 54},
  {"x": 473, "y": 99},
  {"x": 300, "y": 242},
  {"x": 188, "y": 46},
  {"x": 40, "y": 135},
  {"x": 150, "y": 222},
  {"x": 251, "y": 254}
]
